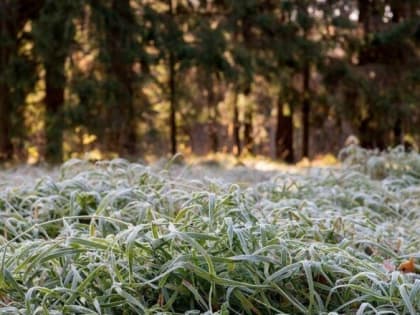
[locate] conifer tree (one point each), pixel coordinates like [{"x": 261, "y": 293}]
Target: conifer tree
[
  {"x": 53, "y": 33},
  {"x": 17, "y": 69}
]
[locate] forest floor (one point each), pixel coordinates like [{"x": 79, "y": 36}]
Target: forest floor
[{"x": 213, "y": 236}]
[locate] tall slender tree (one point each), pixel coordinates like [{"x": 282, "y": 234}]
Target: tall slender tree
[
  {"x": 123, "y": 62},
  {"x": 210, "y": 58},
  {"x": 17, "y": 67},
  {"x": 176, "y": 54},
  {"x": 120, "y": 44},
  {"x": 53, "y": 36}
]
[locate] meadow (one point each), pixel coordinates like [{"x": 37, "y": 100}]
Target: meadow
[{"x": 114, "y": 237}]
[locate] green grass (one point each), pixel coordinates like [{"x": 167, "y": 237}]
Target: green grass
[{"x": 121, "y": 238}]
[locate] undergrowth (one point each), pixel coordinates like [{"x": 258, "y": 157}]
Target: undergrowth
[{"x": 122, "y": 238}]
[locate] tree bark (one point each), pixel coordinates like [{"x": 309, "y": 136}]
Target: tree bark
[
  {"x": 54, "y": 101},
  {"x": 248, "y": 129},
  {"x": 121, "y": 69},
  {"x": 236, "y": 125},
  {"x": 306, "y": 109},
  {"x": 398, "y": 132},
  {"x": 173, "y": 107},
  {"x": 401, "y": 10},
  {"x": 370, "y": 137},
  {"x": 172, "y": 92},
  {"x": 54, "y": 57},
  {"x": 6, "y": 147},
  {"x": 284, "y": 135},
  {"x": 213, "y": 115},
  {"x": 13, "y": 16}
]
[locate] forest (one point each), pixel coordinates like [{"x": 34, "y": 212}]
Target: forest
[
  {"x": 173, "y": 157},
  {"x": 285, "y": 79}
]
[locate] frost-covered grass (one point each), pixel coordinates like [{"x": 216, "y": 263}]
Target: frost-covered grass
[{"x": 122, "y": 238}]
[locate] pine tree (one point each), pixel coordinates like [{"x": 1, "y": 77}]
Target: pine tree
[
  {"x": 171, "y": 24},
  {"x": 210, "y": 59},
  {"x": 53, "y": 33},
  {"x": 17, "y": 69},
  {"x": 123, "y": 63}
]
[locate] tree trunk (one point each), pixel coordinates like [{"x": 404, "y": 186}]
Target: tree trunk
[
  {"x": 363, "y": 131},
  {"x": 284, "y": 135},
  {"x": 398, "y": 133},
  {"x": 236, "y": 125},
  {"x": 371, "y": 137},
  {"x": 172, "y": 117},
  {"x": 54, "y": 100},
  {"x": 306, "y": 109},
  {"x": 54, "y": 57},
  {"x": 13, "y": 16},
  {"x": 172, "y": 92},
  {"x": 213, "y": 113},
  {"x": 6, "y": 147},
  {"x": 118, "y": 40},
  {"x": 248, "y": 138}
]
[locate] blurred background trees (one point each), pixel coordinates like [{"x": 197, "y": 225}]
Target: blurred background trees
[{"x": 286, "y": 79}]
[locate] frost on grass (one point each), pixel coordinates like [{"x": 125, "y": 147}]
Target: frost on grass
[{"x": 122, "y": 238}]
